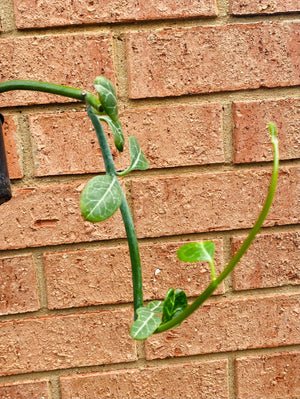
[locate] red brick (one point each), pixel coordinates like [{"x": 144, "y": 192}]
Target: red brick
[
  {"x": 230, "y": 325},
  {"x": 173, "y": 62},
  {"x": 201, "y": 142},
  {"x": 273, "y": 376},
  {"x": 212, "y": 201},
  {"x": 243, "y": 7},
  {"x": 18, "y": 290},
  {"x": 251, "y": 138},
  {"x": 25, "y": 390},
  {"x": 50, "y": 215},
  {"x": 183, "y": 380},
  {"x": 59, "y": 342},
  {"x": 9, "y": 129},
  {"x": 84, "y": 12},
  {"x": 100, "y": 276},
  {"x": 72, "y": 60},
  {"x": 272, "y": 260}
]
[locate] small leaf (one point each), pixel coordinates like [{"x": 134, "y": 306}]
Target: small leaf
[
  {"x": 100, "y": 199},
  {"x": 116, "y": 128},
  {"x": 107, "y": 96},
  {"x": 168, "y": 306},
  {"x": 138, "y": 160},
  {"x": 197, "y": 251},
  {"x": 145, "y": 324},
  {"x": 155, "y": 306},
  {"x": 180, "y": 302}
]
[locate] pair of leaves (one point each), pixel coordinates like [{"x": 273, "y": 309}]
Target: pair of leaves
[{"x": 148, "y": 320}]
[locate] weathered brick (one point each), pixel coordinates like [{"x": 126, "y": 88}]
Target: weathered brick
[
  {"x": 72, "y": 60},
  {"x": 251, "y": 138},
  {"x": 212, "y": 201},
  {"x": 242, "y": 7},
  {"x": 99, "y": 276},
  {"x": 230, "y": 325},
  {"x": 18, "y": 290},
  {"x": 70, "y": 137},
  {"x": 273, "y": 376},
  {"x": 173, "y": 62},
  {"x": 50, "y": 215},
  {"x": 25, "y": 390},
  {"x": 58, "y": 342},
  {"x": 78, "y": 12},
  {"x": 272, "y": 260},
  {"x": 9, "y": 129},
  {"x": 176, "y": 381}
]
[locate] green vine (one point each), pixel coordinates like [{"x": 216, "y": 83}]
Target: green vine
[{"x": 103, "y": 195}]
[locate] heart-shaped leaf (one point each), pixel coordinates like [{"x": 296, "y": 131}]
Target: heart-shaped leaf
[
  {"x": 116, "y": 129},
  {"x": 155, "y": 306},
  {"x": 197, "y": 251},
  {"x": 107, "y": 96},
  {"x": 100, "y": 199},
  {"x": 138, "y": 160},
  {"x": 145, "y": 324}
]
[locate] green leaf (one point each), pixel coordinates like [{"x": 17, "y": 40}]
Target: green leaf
[
  {"x": 145, "y": 324},
  {"x": 168, "y": 306},
  {"x": 180, "y": 302},
  {"x": 100, "y": 199},
  {"x": 155, "y": 306},
  {"x": 197, "y": 251},
  {"x": 107, "y": 96},
  {"x": 116, "y": 128},
  {"x": 138, "y": 160}
]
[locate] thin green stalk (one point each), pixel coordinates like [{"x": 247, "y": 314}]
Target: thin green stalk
[
  {"x": 253, "y": 232},
  {"x": 126, "y": 215},
  {"x": 52, "y": 88}
]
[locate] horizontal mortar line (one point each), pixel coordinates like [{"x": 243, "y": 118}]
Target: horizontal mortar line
[
  {"x": 143, "y": 363},
  {"x": 153, "y": 24}
]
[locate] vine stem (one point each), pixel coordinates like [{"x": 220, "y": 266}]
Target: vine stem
[
  {"x": 126, "y": 215},
  {"x": 247, "y": 242},
  {"x": 52, "y": 88}
]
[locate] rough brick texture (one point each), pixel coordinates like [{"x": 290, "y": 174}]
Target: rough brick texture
[
  {"x": 26, "y": 389},
  {"x": 251, "y": 138},
  {"x": 271, "y": 261},
  {"x": 98, "y": 276},
  {"x": 56, "y": 13},
  {"x": 173, "y": 62},
  {"x": 18, "y": 290},
  {"x": 195, "y": 203},
  {"x": 9, "y": 130},
  {"x": 229, "y": 325},
  {"x": 171, "y": 382},
  {"x": 242, "y": 7},
  {"x": 71, "y": 59},
  {"x": 273, "y": 376},
  {"x": 38, "y": 216},
  {"x": 59, "y": 342},
  {"x": 79, "y": 151}
]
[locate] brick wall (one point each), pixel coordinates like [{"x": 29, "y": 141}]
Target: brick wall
[{"x": 198, "y": 82}]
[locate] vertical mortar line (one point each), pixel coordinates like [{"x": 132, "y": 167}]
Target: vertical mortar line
[
  {"x": 25, "y": 141},
  {"x": 55, "y": 390},
  {"x": 231, "y": 376},
  {"x": 223, "y": 7},
  {"x": 227, "y": 255},
  {"x": 228, "y": 127},
  {"x": 7, "y": 16},
  {"x": 38, "y": 258}
]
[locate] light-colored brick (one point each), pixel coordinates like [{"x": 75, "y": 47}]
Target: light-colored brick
[
  {"x": 212, "y": 201},
  {"x": 173, "y": 62},
  {"x": 273, "y": 376},
  {"x": 50, "y": 215},
  {"x": 58, "y": 12},
  {"x": 231, "y": 325},
  {"x": 251, "y": 136},
  {"x": 244, "y": 7},
  {"x": 99, "y": 276},
  {"x": 71, "y": 59},
  {"x": 177, "y": 381},
  {"x": 169, "y": 136},
  {"x": 9, "y": 130},
  {"x": 25, "y": 390},
  {"x": 18, "y": 289},
  {"x": 272, "y": 260},
  {"x": 59, "y": 342}
]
